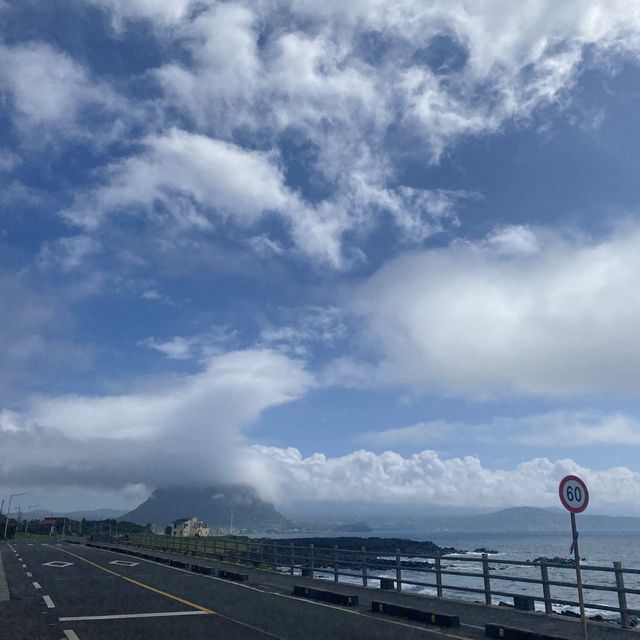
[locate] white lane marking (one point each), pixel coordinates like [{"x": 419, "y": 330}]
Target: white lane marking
[
  {"x": 71, "y": 635},
  {"x": 19, "y": 558},
  {"x": 24, "y": 566},
  {"x": 37, "y": 585},
  {"x": 124, "y": 563},
  {"x": 128, "y": 616},
  {"x": 275, "y": 594},
  {"x": 29, "y": 574},
  {"x": 58, "y": 564},
  {"x": 49, "y": 602}
]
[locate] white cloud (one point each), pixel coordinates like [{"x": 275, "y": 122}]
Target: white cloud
[
  {"x": 200, "y": 181},
  {"x": 180, "y": 430},
  {"x": 68, "y": 253},
  {"x": 428, "y": 478},
  {"x": 347, "y": 79},
  {"x": 301, "y": 328},
  {"x": 470, "y": 319},
  {"x": 49, "y": 91},
  {"x": 556, "y": 429},
  {"x": 178, "y": 348}
]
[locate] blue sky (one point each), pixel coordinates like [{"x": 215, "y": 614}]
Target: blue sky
[{"x": 330, "y": 249}]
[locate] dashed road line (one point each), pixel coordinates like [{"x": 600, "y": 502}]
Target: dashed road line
[
  {"x": 128, "y": 616},
  {"x": 289, "y": 597},
  {"x": 71, "y": 635},
  {"x": 29, "y": 574},
  {"x": 24, "y": 566},
  {"x": 37, "y": 585},
  {"x": 188, "y": 603},
  {"x": 49, "y": 602}
]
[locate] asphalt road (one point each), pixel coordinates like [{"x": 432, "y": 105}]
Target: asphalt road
[{"x": 75, "y": 592}]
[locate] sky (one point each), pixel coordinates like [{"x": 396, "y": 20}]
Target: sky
[{"x": 343, "y": 251}]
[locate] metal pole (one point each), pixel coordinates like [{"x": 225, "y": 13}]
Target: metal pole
[
  {"x": 398, "y": 571},
  {"x": 487, "y": 579},
  {"x": 6, "y": 522},
  {"x": 622, "y": 595},
  {"x": 576, "y": 555},
  {"x": 363, "y": 550},
  {"x": 546, "y": 591},
  {"x": 438, "y": 577}
]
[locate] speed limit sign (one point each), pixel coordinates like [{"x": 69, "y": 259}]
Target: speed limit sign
[{"x": 574, "y": 494}]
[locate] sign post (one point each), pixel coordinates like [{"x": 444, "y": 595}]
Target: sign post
[{"x": 574, "y": 496}]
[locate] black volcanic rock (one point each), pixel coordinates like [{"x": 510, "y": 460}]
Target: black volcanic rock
[
  {"x": 355, "y": 527},
  {"x": 565, "y": 562},
  {"x": 380, "y": 551},
  {"x": 212, "y": 504}
]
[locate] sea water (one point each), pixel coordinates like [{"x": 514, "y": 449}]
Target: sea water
[{"x": 597, "y": 548}]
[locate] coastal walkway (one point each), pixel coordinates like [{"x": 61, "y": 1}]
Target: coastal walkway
[{"x": 108, "y": 592}]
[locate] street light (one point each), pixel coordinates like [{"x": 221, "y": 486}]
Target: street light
[
  {"x": 6, "y": 522},
  {"x": 26, "y": 522}
]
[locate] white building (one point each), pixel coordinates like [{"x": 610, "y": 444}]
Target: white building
[{"x": 188, "y": 528}]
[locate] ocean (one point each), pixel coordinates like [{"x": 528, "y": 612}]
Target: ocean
[{"x": 597, "y": 549}]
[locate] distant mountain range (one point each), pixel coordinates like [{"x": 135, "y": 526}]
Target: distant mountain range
[
  {"x": 515, "y": 519},
  {"x": 212, "y": 504}
]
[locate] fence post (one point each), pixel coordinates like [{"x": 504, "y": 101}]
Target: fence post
[
  {"x": 438, "y": 577},
  {"x": 312, "y": 560},
  {"x": 546, "y": 591},
  {"x": 364, "y": 566},
  {"x": 622, "y": 595},
  {"x": 224, "y": 550},
  {"x": 336, "y": 560},
  {"x": 293, "y": 556},
  {"x": 275, "y": 556},
  {"x": 487, "y": 580},
  {"x": 237, "y": 554},
  {"x": 398, "y": 571}
]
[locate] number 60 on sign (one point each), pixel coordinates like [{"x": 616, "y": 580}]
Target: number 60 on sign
[{"x": 574, "y": 494}]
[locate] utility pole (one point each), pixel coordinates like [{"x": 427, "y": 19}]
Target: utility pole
[{"x": 6, "y": 522}]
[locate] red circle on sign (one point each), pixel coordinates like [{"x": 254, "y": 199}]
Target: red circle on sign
[{"x": 571, "y": 501}]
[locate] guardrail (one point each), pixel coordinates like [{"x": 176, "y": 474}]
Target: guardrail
[{"x": 440, "y": 576}]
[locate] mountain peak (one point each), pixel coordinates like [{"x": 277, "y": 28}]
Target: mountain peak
[{"x": 212, "y": 504}]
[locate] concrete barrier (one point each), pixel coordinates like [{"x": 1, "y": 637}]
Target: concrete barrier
[
  {"x": 198, "y": 568},
  {"x": 387, "y": 584},
  {"x": 524, "y": 603},
  {"x": 233, "y": 575},
  {"x": 326, "y": 596},
  {"x": 418, "y": 615}
]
